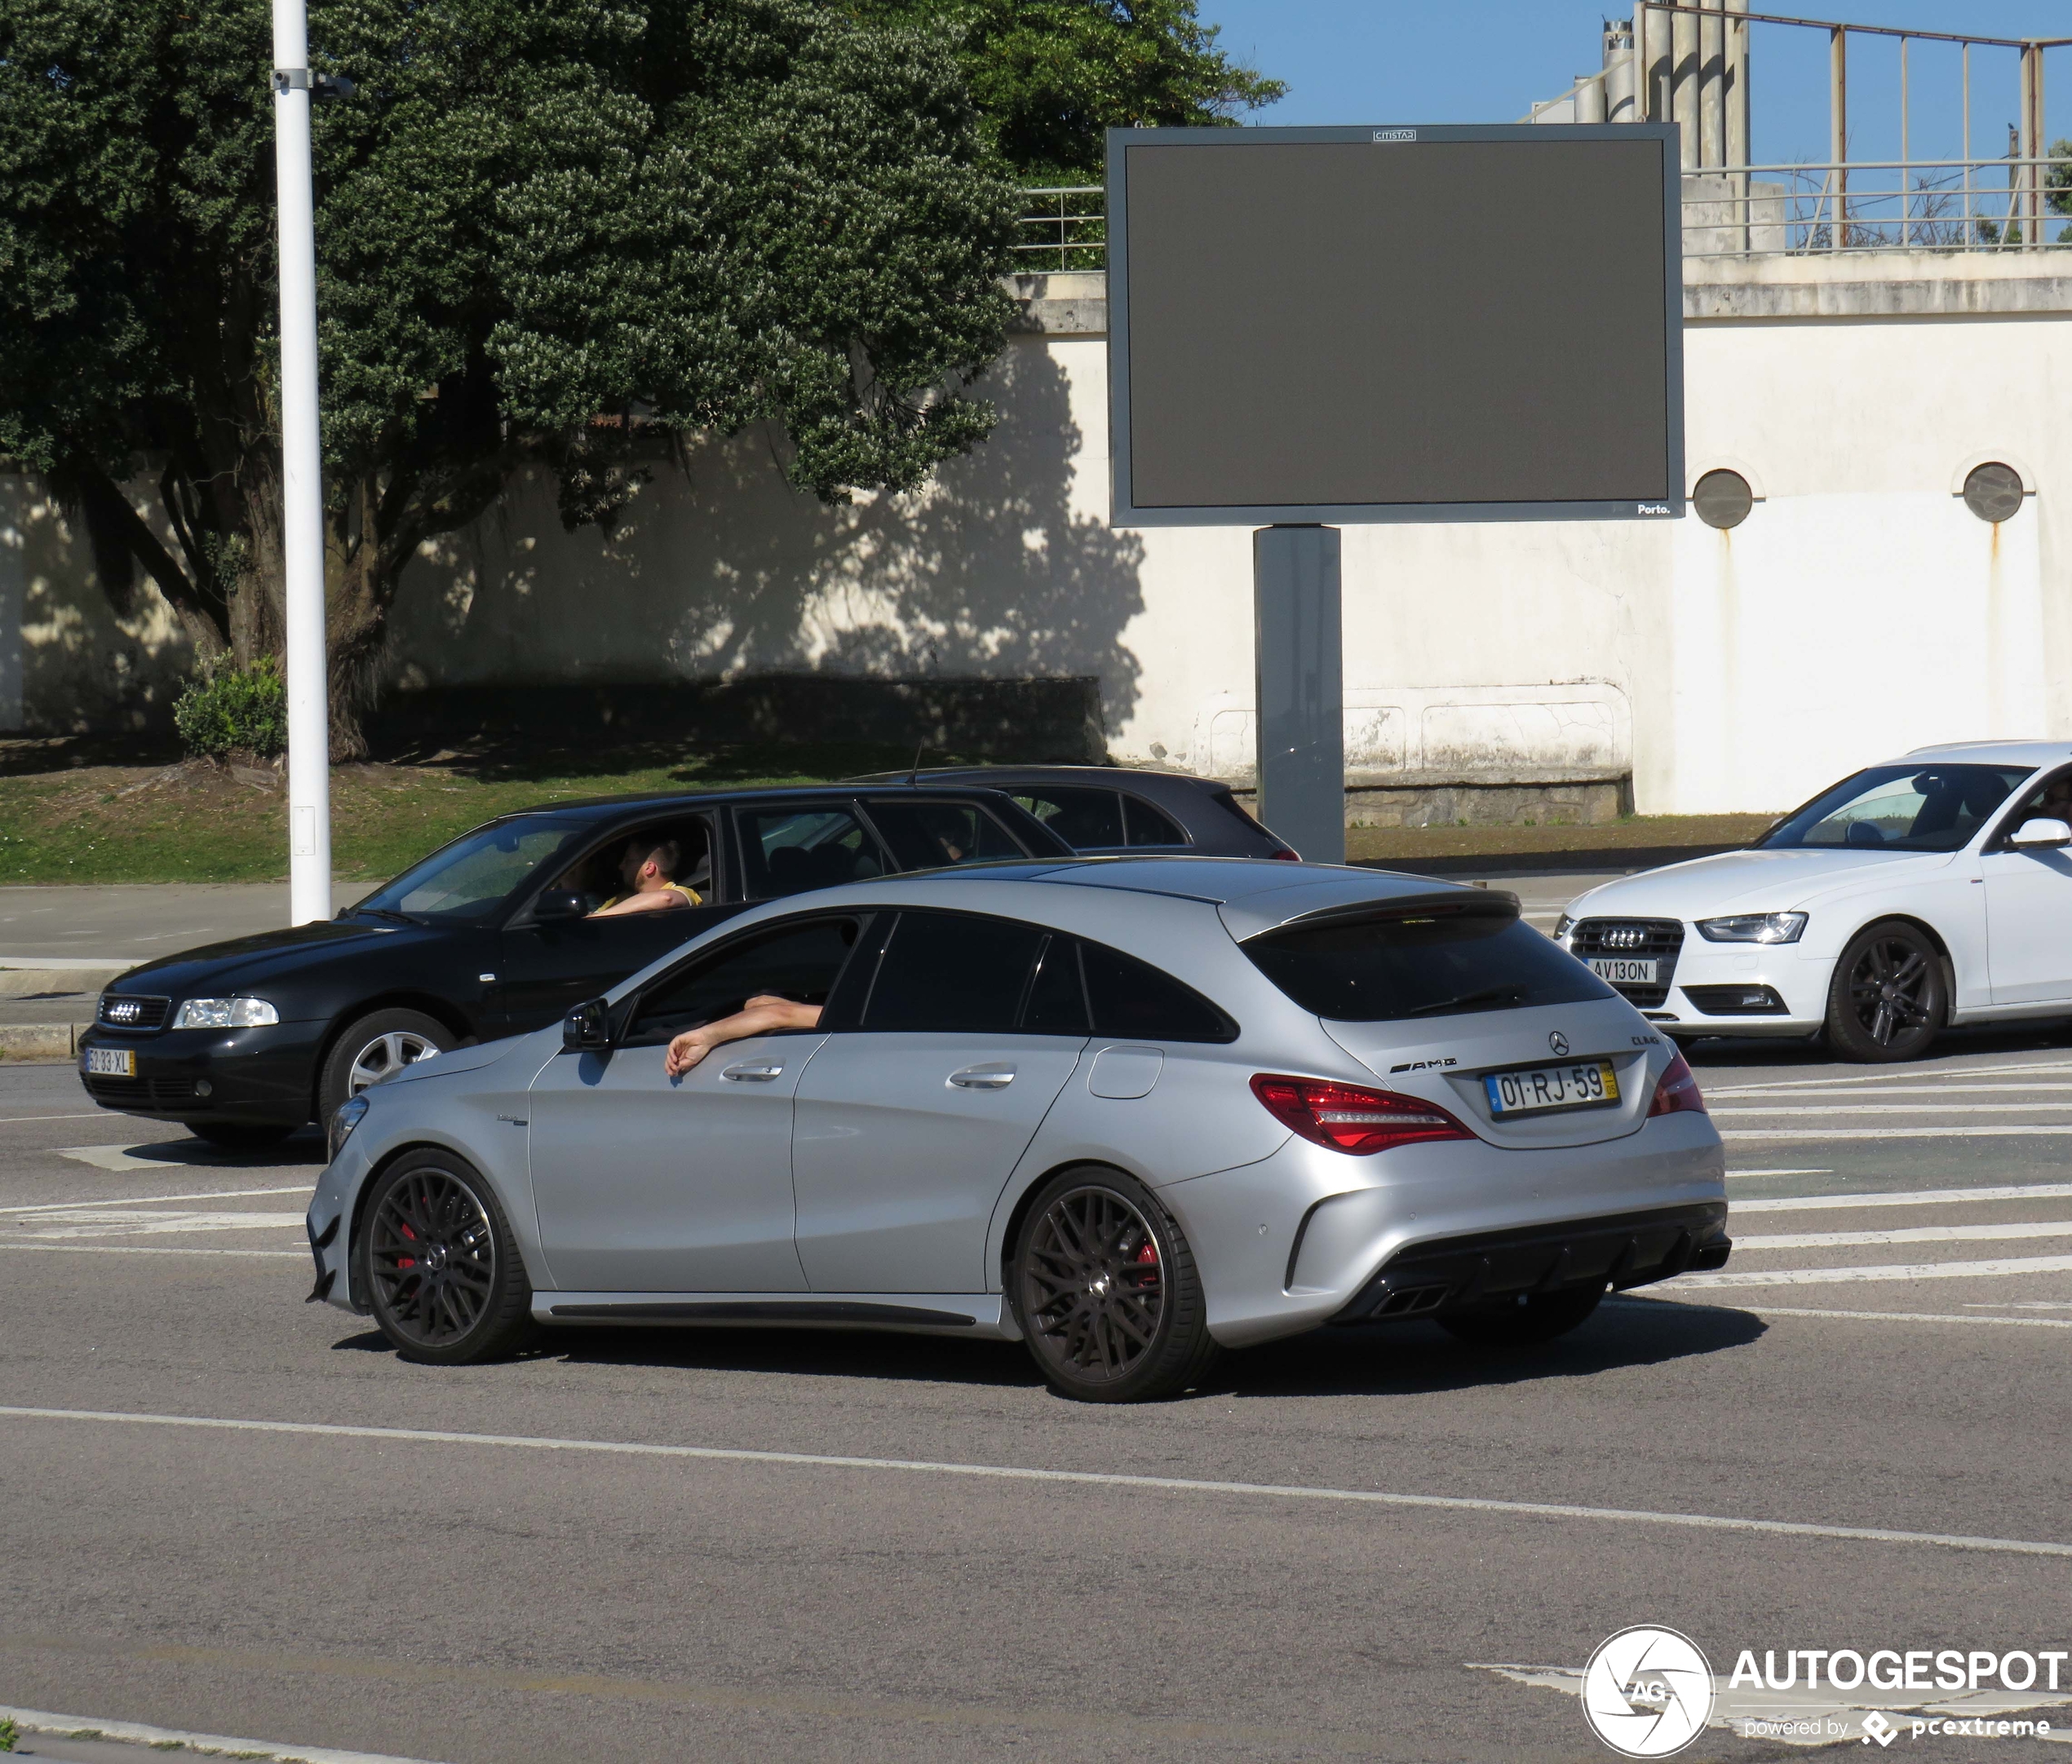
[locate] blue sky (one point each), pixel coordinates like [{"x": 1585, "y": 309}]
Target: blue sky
[{"x": 1486, "y": 60}]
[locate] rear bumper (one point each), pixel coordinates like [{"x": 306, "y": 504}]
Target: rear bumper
[{"x": 1622, "y": 1250}]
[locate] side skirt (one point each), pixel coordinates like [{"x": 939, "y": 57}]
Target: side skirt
[{"x": 969, "y": 1313}]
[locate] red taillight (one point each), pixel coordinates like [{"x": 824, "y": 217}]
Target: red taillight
[
  {"x": 1677, "y": 1093},
  {"x": 1349, "y": 1118},
  {"x": 1287, "y": 853}
]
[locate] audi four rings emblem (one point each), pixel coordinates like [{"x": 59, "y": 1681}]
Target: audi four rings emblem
[
  {"x": 1559, "y": 1042},
  {"x": 1624, "y": 937}
]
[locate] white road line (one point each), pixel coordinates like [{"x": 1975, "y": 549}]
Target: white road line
[
  {"x": 94, "y": 1221},
  {"x": 153, "y": 1200},
  {"x": 1912, "y": 1073},
  {"x": 127, "y": 1249},
  {"x": 1906, "y": 1089},
  {"x": 176, "y": 1738},
  {"x": 1748, "y": 1134},
  {"x": 1874, "y": 1316},
  {"x": 1919, "y": 1271},
  {"x": 91, "y": 1114},
  {"x": 1912, "y": 1234},
  {"x": 1918, "y": 1197},
  {"x": 1095, "y": 1479},
  {"x": 1889, "y": 1108}
]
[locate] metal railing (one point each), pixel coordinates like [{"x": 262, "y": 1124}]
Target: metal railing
[
  {"x": 1894, "y": 205},
  {"x": 1067, "y": 231},
  {"x": 1861, "y": 204}
]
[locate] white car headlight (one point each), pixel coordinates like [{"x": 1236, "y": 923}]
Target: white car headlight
[
  {"x": 1754, "y": 928},
  {"x": 1562, "y": 926},
  {"x": 224, "y": 1014}
]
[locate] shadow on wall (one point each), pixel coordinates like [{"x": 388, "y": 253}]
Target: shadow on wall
[
  {"x": 989, "y": 573},
  {"x": 74, "y": 658}
]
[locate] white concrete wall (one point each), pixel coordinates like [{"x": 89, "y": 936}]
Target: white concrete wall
[{"x": 1861, "y": 609}]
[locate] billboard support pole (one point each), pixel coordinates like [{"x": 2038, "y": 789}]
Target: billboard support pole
[{"x": 1299, "y": 681}]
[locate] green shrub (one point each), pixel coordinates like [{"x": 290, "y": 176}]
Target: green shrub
[{"x": 232, "y": 709}]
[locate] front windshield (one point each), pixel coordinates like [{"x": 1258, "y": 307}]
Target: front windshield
[
  {"x": 471, "y": 879},
  {"x": 1899, "y": 808}
]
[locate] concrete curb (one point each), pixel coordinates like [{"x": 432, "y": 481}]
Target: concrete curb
[
  {"x": 38, "y": 983},
  {"x": 49, "y": 1043},
  {"x": 177, "y": 1740}
]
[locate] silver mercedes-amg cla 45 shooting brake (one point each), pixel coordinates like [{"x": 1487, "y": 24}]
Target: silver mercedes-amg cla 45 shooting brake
[{"x": 1127, "y": 1112}]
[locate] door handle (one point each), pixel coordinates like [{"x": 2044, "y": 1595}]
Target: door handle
[
  {"x": 752, "y": 1073},
  {"x": 983, "y": 1077}
]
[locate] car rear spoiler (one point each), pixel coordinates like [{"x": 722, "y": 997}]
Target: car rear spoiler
[{"x": 1455, "y": 903}]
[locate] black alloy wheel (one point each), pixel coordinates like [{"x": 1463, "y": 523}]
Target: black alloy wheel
[
  {"x": 1889, "y": 995},
  {"x": 442, "y": 1273},
  {"x": 1106, "y": 1294}
]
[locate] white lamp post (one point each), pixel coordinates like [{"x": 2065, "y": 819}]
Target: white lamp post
[{"x": 302, "y": 540}]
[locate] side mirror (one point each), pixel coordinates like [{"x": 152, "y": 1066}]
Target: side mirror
[
  {"x": 588, "y": 1029},
  {"x": 2041, "y": 834},
  {"x": 558, "y": 904}
]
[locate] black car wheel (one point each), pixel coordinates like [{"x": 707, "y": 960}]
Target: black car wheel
[
  {"x": 1520, "y": 1322},
  {"x": 1889, "y": 996},
  {"x": 376, "y": 1047},
  {"x": 438, "y": 1263},
  {"x": 240, "y": 1135},
  {"x": 1105, "y": 1291}
]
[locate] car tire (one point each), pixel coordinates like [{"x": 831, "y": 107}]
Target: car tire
[
  {"x": 1104, "y": 1289},
  {"x": 370, "y": 1048},
  {"x": 1525, "y": 1321},
  {"x": 240, "y": 1135},
  {"x": 1889, "y": 995},
  {"x": 439, "y": 1267}
]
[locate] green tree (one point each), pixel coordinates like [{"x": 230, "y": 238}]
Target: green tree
[
  {"x": 1050, "y": 76},
  {"x": 542, "y": 226}
]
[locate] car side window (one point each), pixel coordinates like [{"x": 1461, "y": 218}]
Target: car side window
[
  {"x": 1150, "y": 826},
  {"x": 799, "y": 960},
  {"x": 686, "y": 839},
  {"x": 1057, "y": 994},
  {"x": 954, "y": 973},
  {"x": 791, "y": 850},
  {"x": 1127, "y": 997},
  {"x": 938, "y": 835},
  {"x": 1085, "y": 819}
]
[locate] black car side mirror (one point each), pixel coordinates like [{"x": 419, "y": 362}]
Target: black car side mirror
[
  {"x": 588, "y": 1029},
  {"x": 560, "y": 904}
]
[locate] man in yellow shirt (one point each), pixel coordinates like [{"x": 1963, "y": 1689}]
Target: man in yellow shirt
[{"x": 650, "y": 870}]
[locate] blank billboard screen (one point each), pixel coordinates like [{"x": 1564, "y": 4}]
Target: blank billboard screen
[{"x": 1467, "y": 323}]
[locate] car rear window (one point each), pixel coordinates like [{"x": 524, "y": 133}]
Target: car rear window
[{"x": 1445, "y": 961}]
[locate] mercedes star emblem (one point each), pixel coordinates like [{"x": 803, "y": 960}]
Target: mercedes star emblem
[{"x": 1559, "y": 1042}]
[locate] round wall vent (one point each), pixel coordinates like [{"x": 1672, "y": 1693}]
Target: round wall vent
[
  {"x": 1723, "y": 498},
  {"x": 1992, "y": 492}
]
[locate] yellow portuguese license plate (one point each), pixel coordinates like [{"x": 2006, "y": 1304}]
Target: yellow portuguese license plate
[
  {"x": 110, "y": 1063},
  {"x": 1580, "y": 1084}
]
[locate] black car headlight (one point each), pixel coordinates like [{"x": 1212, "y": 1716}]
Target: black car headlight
[
  {"x": 344, "y": 1118},
  {"x": 1754, "y": 928},
  {"x": 225, "y": 1014}
]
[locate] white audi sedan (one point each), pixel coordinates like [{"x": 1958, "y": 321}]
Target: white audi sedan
[{"x": 1930, "y": 890}]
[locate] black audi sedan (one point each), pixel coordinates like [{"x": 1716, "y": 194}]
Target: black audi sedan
[
  {"x": 243, "y": 1043},
  {"x": 1100, "y": 811}
]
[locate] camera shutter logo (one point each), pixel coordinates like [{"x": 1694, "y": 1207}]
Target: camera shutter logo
[
  {"x": 1559, "y": 1042},
  {"x": 1647, "y": 1692}
]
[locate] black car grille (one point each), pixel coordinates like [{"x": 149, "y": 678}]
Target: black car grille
[
  {"x": 127, "y": 1010},
  {"x": 1662, "y": 938},
  {"x": 141, "y": 1093}
]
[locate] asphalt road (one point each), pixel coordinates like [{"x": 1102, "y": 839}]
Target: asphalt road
[{"x": 1885, "y": 1354}]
